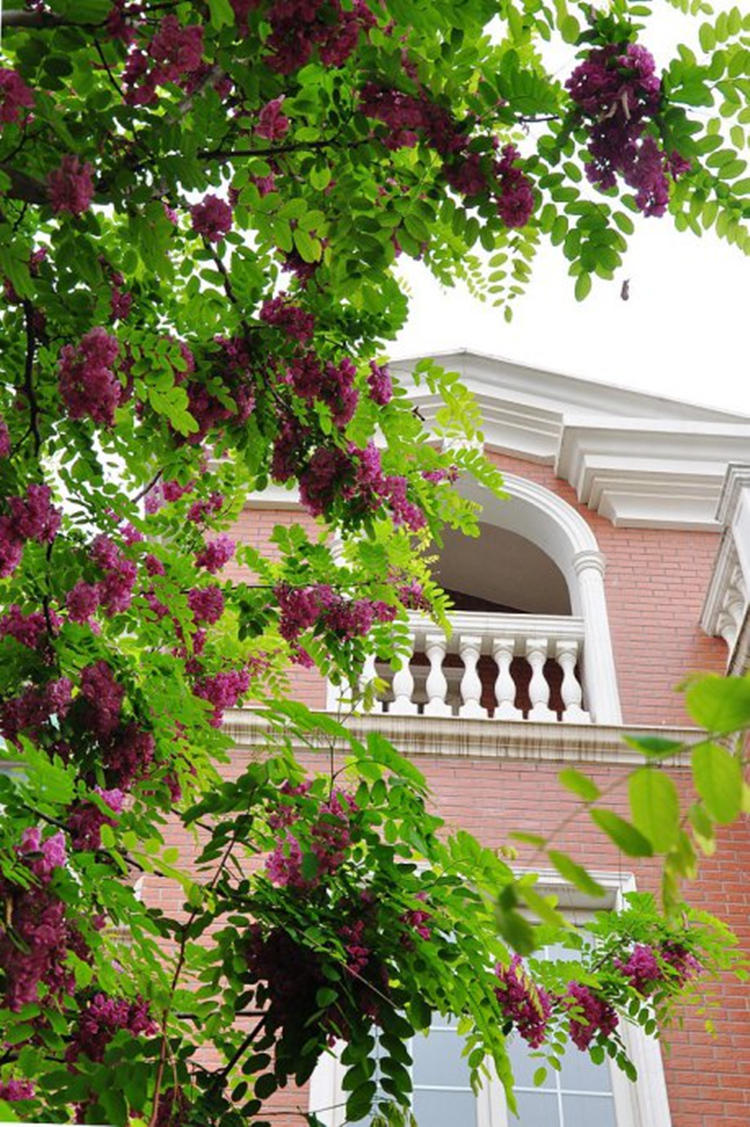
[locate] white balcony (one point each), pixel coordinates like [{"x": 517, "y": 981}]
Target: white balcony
[{"x": 491, "y": 666}]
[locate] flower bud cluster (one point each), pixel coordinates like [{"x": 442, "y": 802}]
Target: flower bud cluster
[
  {"x": 15, "y": 97},
  {"x": 70, "y": 186}
]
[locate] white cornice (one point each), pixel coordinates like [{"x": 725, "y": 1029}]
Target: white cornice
[
  {"x": 638, "y": 460},
  {"x": 454, "y": 738}
]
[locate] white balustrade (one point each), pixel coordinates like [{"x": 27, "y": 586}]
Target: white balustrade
[
  {"x": 505, "y": 686},
  {"x": 566, "y": 654},
  {"x": 470, "y": 647},
  {"x": 445, "y": 678},
  {"x": 436, "y": 685},
  {"x": 539, "y": 693},
  {"x": 403, "y": 691}
]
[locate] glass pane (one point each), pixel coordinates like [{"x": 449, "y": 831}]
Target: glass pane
[
  {"x": 445, "y": 1109},
  {"x": 580, "y": 1074},
  {"x": 438, "y": 1060},
  {"x": 588, "y": 1111},
  {"x": 524, "y": 1065},
  {"x": 536, "y": 1109}
]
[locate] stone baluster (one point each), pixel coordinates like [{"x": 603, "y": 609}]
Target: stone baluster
[
  {"x": 536, "y": 653},
  {"x": 505, "y": 686},
  {"x": 403, "y": 691},
  {"x": 469, "y": 648},
  {"x": 436, "y": 685},
  {"x": 369, "y": 674},
  {"x": 570, "y": 690}
]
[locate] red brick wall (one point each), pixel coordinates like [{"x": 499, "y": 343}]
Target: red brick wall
[{"x": 655, "y": 584}]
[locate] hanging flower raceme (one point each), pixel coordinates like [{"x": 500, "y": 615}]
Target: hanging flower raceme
[
  {"x": 31, "y": 517},
  {"x": 522, "y": 1002},
  {"x": 173, "y": 54},
  {"x": 89, "y": 383},
  {"x": 70, "y": 187},
  {"x": 299, "y": 27},
  {"x": 101, "y": 1019},
  {"x": 592, "y": 1016},
  {"x": 85, "y": 819},
  {"x": 303, "y": 608},
  {"x": 15, "y": 97},
  {"x": 330, "y": 835},
  {"x": 617, "y": 89},
  {"x": 212, "y": 218}
]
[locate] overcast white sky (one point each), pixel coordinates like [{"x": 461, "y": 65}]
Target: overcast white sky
[{"x": 684, "y": 333}]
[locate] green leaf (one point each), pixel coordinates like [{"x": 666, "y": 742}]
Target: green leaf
[
  {"x": 221, "y": 13},
  {"x": 719, "y": 704},
  {"x": 583, "y": 286},
  {"x": 579, "y": 784},
  {"x": 655, "y": 807},
  {"x": 654, "y": 745},
  {"x": 575, "y": 874},
  {"x": 626, "y": 837},
  {"x": 718, "y": 780}
]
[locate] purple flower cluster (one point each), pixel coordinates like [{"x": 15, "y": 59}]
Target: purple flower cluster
[
  {"x": 380, "y": 384},
  {"x": 354, "y": 476},
  {"x": 28, "y": 518},
  {"x": 298, "y": 27},
  {"x": 201, "y": 511},
  {"x": 102, "y": 1018},
  {"x": 618, "y": 90},
  {"x": 333, "y": 384},
  {"x": 85, "y": 819},
  {"x": 173, "y": 54},
  {"x": 682, "y": 963},
  {"x": 101, "y": 698},
  {"x": 34, "y": 934},
  {"x": 642, "y": 968},
  {"x": 70, "y": 187},
  {"x": 206, "y": 603},
  {"x": 89, "y": 384},
  {"x": 115, "y": 590},
  {"x": 128, "y": 755},
  {"x": 410, "y": 118},
  {"x": 592, "y": 1016},
  {"x": 210, "y": 411},
  {"x": 357, "y": 952},
  {"x": 515, "y": 201},
  {"x": 4, "y": 439},
  {"x": 211, "y": 218},
  {"x": 330, "y": 838},
  {"x": 15, "y": 96},
  {"x": 216, "y": 554},
  {"x": 273, "y": 124},
  {"x": 32, "y": 708},
  {"x": 528, "y": 1006},
  {"x": 302, "y": 608},
  {"x": 222, "y": 690},
  {"x": 27, "y": 629},
  {"x": 13, "y": 1090},
  {"x": 289, "y": 318}
]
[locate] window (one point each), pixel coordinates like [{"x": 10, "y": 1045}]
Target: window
[{"x": 582, "y": 1094}]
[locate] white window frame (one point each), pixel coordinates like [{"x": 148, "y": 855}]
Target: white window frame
[{"x": 640, "y": 1104}]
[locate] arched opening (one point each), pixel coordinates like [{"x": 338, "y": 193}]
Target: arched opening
[{"x": 500, "y": 571}]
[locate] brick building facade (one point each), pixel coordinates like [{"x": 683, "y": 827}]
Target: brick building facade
[{"x": 630, "y": 581}]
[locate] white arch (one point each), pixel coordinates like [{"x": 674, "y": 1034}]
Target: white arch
[{"x": 560, "y": 531}]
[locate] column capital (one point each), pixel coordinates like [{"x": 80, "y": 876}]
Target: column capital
[{"x": 589, "y": 560}]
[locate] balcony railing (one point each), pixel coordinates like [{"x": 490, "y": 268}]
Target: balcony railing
[{"x": 491, "y": 666}]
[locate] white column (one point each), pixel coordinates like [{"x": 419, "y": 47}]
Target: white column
[
  {"x": 599, "y": 675},
  {"x": 536, "y": 653},
  {"x": 570, "y": 690},
  {"x": 403, "y": 690},
  {"x": 469, "y": 648},
  {"x": 436, "y": 685},
  {"x": 505, "y": 687}
]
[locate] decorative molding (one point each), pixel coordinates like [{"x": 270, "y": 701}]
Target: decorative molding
[
  {"x": 447, "y": 737},
  {"x": 639, "y": 460},
  {"x": 726, "y": 610}
]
